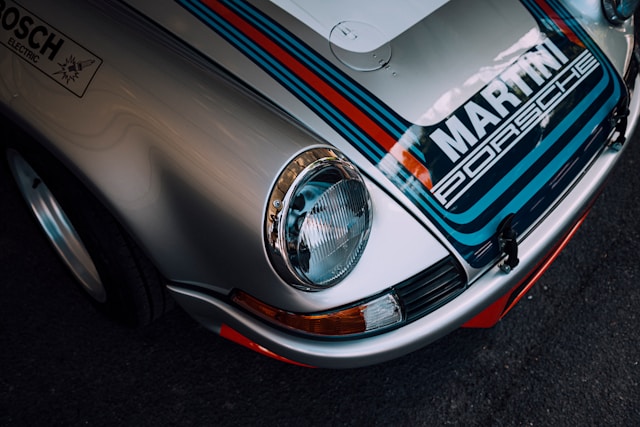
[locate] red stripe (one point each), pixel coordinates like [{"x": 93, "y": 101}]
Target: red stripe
[
  {"x": 498, "y": 309},
  {"x": 235, "y": 336},
  {"x": 364, "y": 122},
  {"x": 551, "y": 13}
]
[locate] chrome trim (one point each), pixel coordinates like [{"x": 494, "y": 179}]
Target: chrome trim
[
  {"x": 294, "y": 177},
  {"x": 57, "y": 226},
  {"x": 618, "y": 11}
]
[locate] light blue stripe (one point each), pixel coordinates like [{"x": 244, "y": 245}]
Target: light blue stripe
[
  {"x": 329, "y": 73},
  {"x": 267, "y": 62},
  {"x": 421, "y": 196}
]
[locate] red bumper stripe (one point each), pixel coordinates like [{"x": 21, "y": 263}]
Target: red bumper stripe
[
  {"x": 235, "y": 336},
  {"x": 496, "y": 311}
]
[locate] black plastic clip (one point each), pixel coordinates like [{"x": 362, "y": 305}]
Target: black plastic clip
[
  {"x": 508, "y": 244},
  {"x": 619, "y": 123}
]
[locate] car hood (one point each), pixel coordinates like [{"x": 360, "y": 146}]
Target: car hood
[{"x": 474, "y": 111}]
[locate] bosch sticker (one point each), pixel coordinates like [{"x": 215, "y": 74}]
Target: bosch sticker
[{"x": 46, "y": 48}]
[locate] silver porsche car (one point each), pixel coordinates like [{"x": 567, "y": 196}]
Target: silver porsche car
[{"x": 332, "y": 183}]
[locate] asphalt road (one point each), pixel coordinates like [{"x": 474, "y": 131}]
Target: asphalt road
[{"x": 566, "y": 355}]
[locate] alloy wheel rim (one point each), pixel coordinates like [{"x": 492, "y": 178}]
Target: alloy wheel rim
[{"x": 56, "y": 225}]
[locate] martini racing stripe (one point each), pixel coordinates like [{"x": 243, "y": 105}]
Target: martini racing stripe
[
  {"x": 222, "y": 24},
  {"x": 556, "y": 18},
  {"x": 395, "y": 124},
  {"x": 517, "y": 126},
  {"x": 343, "y": 111},
  {"x": 393, "y": 144}
]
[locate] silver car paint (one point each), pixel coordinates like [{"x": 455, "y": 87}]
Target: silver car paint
[
  {"x": 492, "y": 285},
  {"x": 458, "y": 72},
  {"x": 185, "y": 157}
]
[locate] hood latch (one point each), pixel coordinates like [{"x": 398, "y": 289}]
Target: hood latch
[{"x": 508, "y": 244}]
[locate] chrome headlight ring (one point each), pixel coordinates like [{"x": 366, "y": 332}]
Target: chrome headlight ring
[
  {"x": 619, "y": 11},
  {"x": 318, "y": 219}
]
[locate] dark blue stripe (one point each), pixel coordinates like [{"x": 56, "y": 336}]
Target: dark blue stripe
[
  {"x": 450, "y": 223},
  {"x": 387, "y": 118},
  {"x": 295, "y": 85}
]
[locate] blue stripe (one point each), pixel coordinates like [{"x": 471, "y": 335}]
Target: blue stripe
[
  {"x": 397, "y": 127},
  {"x": 288, "y": 79},
  {"x": 381, "y": 113},
  {"x": 425, "y": 201},
  {"x": 389, "y": 120}
]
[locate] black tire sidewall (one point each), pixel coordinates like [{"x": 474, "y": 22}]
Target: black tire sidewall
[{"x": 113, "y": 253}]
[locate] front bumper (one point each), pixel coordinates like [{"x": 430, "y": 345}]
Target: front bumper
[{"x": 481, "y": 304}]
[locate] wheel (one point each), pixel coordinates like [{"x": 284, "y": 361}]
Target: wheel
[{"x": 110, "y": 268}]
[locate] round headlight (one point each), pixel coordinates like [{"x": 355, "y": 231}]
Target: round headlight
[
  {"x": 618, "y": 11},
  {"x": 318, "y": 219}
]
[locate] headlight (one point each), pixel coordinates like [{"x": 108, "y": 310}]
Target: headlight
[
  {"x": 318, "y": 219},
  {"x": 618, "y": 11}
]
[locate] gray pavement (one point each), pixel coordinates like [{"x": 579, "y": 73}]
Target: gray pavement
[{"x": 568, "y": 354}]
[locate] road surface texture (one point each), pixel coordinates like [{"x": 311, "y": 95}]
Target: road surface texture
[{"x": 567, "y": 355}]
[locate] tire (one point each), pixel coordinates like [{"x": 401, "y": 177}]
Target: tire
[{"x": 110, "y": 268}]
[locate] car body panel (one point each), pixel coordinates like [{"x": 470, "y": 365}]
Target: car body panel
[
  {"x": 432, "y": 180},
  {"x": 178, "y": 173},
  {"x": 183, "y": 118},
  {"x": 375, "y": 125}
]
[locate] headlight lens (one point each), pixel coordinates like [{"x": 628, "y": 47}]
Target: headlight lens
[
  {"x": 318, "y": 219},
  {"x": 618, "y": 11}
]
